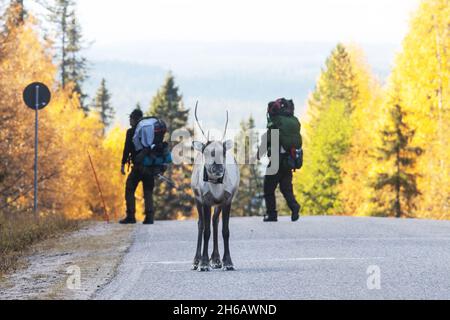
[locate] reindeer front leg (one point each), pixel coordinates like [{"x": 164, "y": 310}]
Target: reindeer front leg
[
  {"x": 216, "y": 263},
  {"x": 204, "y": 265},
  {"x": 227, "y": 262},
  {"x": 198, "y": 255}
]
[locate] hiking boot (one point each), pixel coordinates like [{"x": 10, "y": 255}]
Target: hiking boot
[
  {"x": 128, "y": 220},
  {"x": 268, "y": 218},
  {"x": 149, "y": 219},
  {"x": 296, "y": 214}
]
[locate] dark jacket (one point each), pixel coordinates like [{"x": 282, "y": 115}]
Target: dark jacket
[{"x": 129, "y": 151}]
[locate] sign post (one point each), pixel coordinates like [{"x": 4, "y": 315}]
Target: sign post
[{"x": 36, "y": 96}]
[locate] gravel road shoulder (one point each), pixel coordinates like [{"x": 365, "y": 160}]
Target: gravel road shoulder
[{"x": 95, "y": 251}]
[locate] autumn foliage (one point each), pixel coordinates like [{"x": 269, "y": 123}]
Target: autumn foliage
[
  {"x": 371, "y": 148},
  {"x": 383, "y": 150},
  {"x": 66, "y": 136}
]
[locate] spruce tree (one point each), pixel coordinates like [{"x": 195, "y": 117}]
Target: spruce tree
[
  {"x": 69, "y": 45},
  {"x": 167, "y": 105},
  {"x": 102, "y": 104},
  {"x": 249, "y": 199},
  {"x": 76, "y": 64},
  {"x": 60, "y": 15},
  {"x": 398, "y": 157}
]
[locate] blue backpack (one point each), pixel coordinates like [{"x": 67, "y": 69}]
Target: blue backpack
[{"x": 158, "y": 156}]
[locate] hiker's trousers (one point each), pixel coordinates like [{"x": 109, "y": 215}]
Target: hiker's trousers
[
  {"x": 133, "y": 181},
  {"x": 284, "y": 179}
]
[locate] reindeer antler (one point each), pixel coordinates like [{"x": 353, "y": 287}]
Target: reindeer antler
[
  {"x": 226, "y": 127},
  {"x": 198, "y": 122}
]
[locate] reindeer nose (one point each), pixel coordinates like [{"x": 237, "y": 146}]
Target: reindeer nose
[{"x": 218, "y": 168}]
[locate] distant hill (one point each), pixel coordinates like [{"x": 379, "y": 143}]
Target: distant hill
[
  {"x": 239, "y": 77},
  {"x": 128, "y": 82}
]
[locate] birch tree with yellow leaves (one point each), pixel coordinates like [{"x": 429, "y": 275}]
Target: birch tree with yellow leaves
[
  {"x": 334, "y": 153},
  {"x": 65, "y": 179},
  {"x": 422, "y": 71}
]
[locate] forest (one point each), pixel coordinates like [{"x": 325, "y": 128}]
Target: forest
[
  {"x": 380, "y": 148},
  {"x": 373, "y": 147}
]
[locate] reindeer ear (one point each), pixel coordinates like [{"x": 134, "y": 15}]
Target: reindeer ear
[
  {"x": 228, "y": 145},
  {"x": 198, "y": 146}
]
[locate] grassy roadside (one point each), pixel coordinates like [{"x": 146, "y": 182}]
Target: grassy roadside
[{"x": 18, "y": 231}]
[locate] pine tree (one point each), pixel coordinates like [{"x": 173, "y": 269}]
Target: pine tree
[
  {"x": 167, "y": 105},
  {"x": 248, "y": 201},
  {"x": 68, "y": 32},
  {"x": 102, "y": 104},
  {"x": 398, "y": 158}
]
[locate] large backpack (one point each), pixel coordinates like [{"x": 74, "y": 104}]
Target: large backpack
[
  {"x": 158, "y": 153},
  {"x": 281, "y": 107},
  {"x": 281, "y": 117},
  {"x": 159, "y": 129}
]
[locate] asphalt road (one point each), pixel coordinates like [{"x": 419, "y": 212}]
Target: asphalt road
[{"x": 315, "y": 258}]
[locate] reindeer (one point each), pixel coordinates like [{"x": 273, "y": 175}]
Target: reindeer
[{"x": 215, "y": 181}]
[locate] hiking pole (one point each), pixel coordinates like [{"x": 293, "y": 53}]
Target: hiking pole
[{"x": 99, "y": 189}]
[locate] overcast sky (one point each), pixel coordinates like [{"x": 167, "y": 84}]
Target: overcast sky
[{"x": 364, "y": 21}]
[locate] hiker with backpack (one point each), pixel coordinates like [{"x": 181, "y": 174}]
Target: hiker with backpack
[
  {"x": 148, "y": 155},
  {"x": 281, "y": 117}
]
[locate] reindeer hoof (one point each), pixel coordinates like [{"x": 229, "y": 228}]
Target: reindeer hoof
[
  {"x": 195, "y": 264},
  {"x": 229, "y": 268},
  {"x": 216, "y": 265},
  {"x": 204, "y": 268}
]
